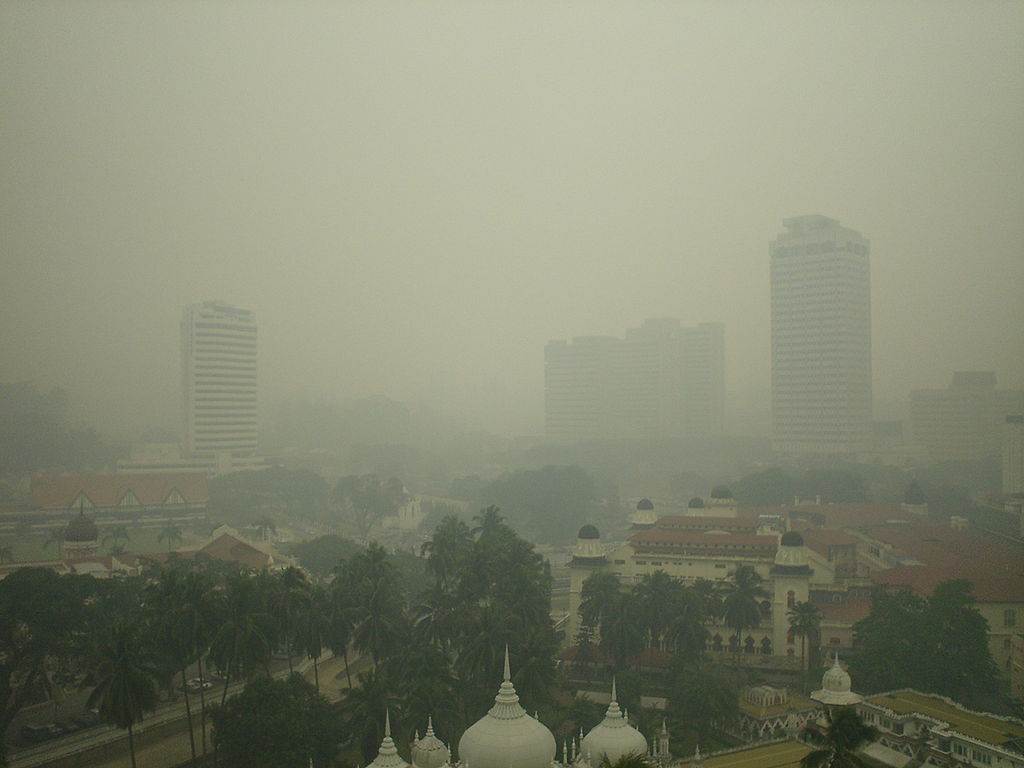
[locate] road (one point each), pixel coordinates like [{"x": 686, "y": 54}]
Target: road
[{"x": 162, "y": 736}]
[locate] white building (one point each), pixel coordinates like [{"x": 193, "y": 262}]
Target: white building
[
  {"x": 661, "y": 380},
  {"x": 1013, "y": 454},
  {"x": 821, "y": 338},
  {"x": 219, "y": 382}
]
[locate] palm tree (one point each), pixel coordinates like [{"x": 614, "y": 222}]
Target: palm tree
[
  {"x": 445, "y": 550},
  {"x": 804, "y": 621},
  {"x": 742, "y": 595},
  {"x": 118, "y": 535},
  {"x": 363, "y": 705},
  {"x": 126, "y": 686},
  {"x": 655, "y": 595},
  {"x": 598, "y": 597},
  {"x": 846, "y": 734},
  {"x": 171, "y": 534},
  {"x": 377, "y": 605},
  {"x": 197, "y": 620},
  {"x": 290, "y": 592},
  {"x": 313, "y": 629},
  {"x": 339, "y": 623},
  {"x": 241, "y": 644},
  {"x": 171, "y": 632},
  {"x": 488, "y": 521}
]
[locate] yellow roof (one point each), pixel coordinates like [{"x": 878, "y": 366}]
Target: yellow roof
[
  {"x": 786, "y": 754},
  {"x": 976, "y": 725}
]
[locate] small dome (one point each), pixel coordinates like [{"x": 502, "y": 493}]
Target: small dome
[
  {"x": 430, "y": 751},
  {"x": 387, "y": 755},
  {"x": 588, "y": 532},
  {"x": 721, "y": 492},
  {"x": 792, "y": 539},
  {"x": 81, "y": 529},
  {"x": 836, "y": 687},
  {"x": 696, "y": 503},
  {"x": 507, "y": 737},
  {"x": 613, "y": 737},
  {"x": 645, "y": 503}
]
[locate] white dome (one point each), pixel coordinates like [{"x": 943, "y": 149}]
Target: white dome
[
  {"x": 613, "y": 737},
  {"x": 836, "y": 687},
  {"x": 387, "y": 756},
  {"x": 507, "y": 737},
  {"x": 430, "y": 751}
]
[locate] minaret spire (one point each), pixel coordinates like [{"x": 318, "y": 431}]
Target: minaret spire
[{"x": 508, "y": 668}]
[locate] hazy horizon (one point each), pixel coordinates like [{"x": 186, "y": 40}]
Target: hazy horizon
[{"x": 415, "y": 198}]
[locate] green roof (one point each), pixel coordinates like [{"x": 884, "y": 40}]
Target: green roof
[{"x": 977, "y": 725}]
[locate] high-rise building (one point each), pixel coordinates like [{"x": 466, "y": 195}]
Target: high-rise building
[
  {"x": 821, "y": 338},
  {"x": 219, "y": 371},
  {"x": 965, "y": 421},
  {"x": 1013, "y": 454},
  {"x": 661, "y": 380}
]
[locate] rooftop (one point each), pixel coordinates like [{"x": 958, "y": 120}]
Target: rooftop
[
  {"x": 786, "y": 754},
  {"x": 978, "y": 725},
  {"x": 657, "y": 538},
  {"x": 61, "y": 491}
]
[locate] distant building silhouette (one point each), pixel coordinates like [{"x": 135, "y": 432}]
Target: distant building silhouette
[{"x": 662, "y": 380}]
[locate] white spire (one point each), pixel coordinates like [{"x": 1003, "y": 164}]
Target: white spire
[
  {"x": 430, "y": 725},
  {"x": 508, "y": 668},
  {"x": 387, "y": 722}
]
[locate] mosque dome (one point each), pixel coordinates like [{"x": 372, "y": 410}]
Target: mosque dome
[
  {"x": 645, "y": 503},
  {"x": 430, "y": 751},
  {"x": 81, "y": 529},
  {"x": 588, "y": 532},
  {"x": 792, "y": 539},
  {"x": 791, "y": 555},
  {"x": 613, "y": 737},
  {"x": 387, "y": 755},
  {"x": 836, "y": 687},
  {"x": 507, "y": 737},
  {"x": 588, "y": 550}
]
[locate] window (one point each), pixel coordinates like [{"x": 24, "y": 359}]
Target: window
[
  {"x": 790, "y": 599},
  {"x": 1009, "y": 617},
  {"x": 982, "y": 757}
]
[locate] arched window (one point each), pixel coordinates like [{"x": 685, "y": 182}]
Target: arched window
[
  {"x": 748, "y": 645},
  {"x": 790, "y": 599},
  {"x": 766, "y": 647}
]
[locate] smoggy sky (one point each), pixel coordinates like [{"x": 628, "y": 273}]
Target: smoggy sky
[{"x": 416, "y": 197}]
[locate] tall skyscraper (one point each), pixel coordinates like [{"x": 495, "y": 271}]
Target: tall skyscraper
[
  {"x": 219, "y": 371},
  {"x": 661, "y": 380},
  {"x": 821, "y": 338}
]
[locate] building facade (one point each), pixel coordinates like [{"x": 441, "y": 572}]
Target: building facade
[
  {"x": 661, "y": 380},
  {"x": 966, "y": 420},
  {"x": 821, "y": 338},
  {"x": 220, "y": 385},
  {"x": 1013, "y": 454}
]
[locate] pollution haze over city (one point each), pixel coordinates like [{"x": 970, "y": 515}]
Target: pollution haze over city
[
  {"x": 416, "y": 198},
  {"x": 511, "y": 384}
]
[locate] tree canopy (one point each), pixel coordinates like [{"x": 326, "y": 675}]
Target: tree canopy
[{"x": 548, "y": 504}]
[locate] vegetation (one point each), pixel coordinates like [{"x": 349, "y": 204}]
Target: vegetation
[
  {"x": 240, "y": 497},
  {"x": 366, "y": 499},
  {"x": 775, "y": 486},
  {"x": 529, "y": 496},
  {"x": 805, "y": 622},
  {"x": 846, "y": 733},
  {"x": 935, "y": 645},
  {"x": 276, "y": 724}
]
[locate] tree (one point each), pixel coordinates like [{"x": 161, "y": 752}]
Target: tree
[
  {"x": 125, "y": 682},
  {"x": 742, "y": 595},
  {"x": 447, "y": 548},
  {"x": 171, "y": 534},
  {"x": 529, "y": 496},
  {"x": 362, "y": 711},
  {"x": 703, "y": 698},
  {"x": 319, "y": 556},
  {"x": 936, "y": 645},
  {"x": 377, "y": 601},
  {"x": 117, "y": 535},
  {"x": 276, "y": 724},
  {"x": 241, "y": 645},
  {"x": 846, "y": 734},
  {"x": 366, "y": 499},
  {"x": 42, "y": 614},
  {"x": 598, "y": 597},
  {"x": 314, "y": 628},
  {"x": 804, "y": 621}
]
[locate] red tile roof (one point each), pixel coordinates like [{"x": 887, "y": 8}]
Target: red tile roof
[
  {"x": 228, "y": 548},
  {"x": 700, "y": 540},
  {"x": 106, "y": 490},
  {"x": 820, "y": 539}
]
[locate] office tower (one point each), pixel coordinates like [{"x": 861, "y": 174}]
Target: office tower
[
  {"x": 1013, "y": 454},
  {"x": 219, "y": 356},
  {"x": 661, "y": 380},
  {"x": 966, "y": 420},
  {"x": 821, "y": 338}
]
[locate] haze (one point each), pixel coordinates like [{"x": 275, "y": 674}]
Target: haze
[{"x": 415, "y": 198}]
